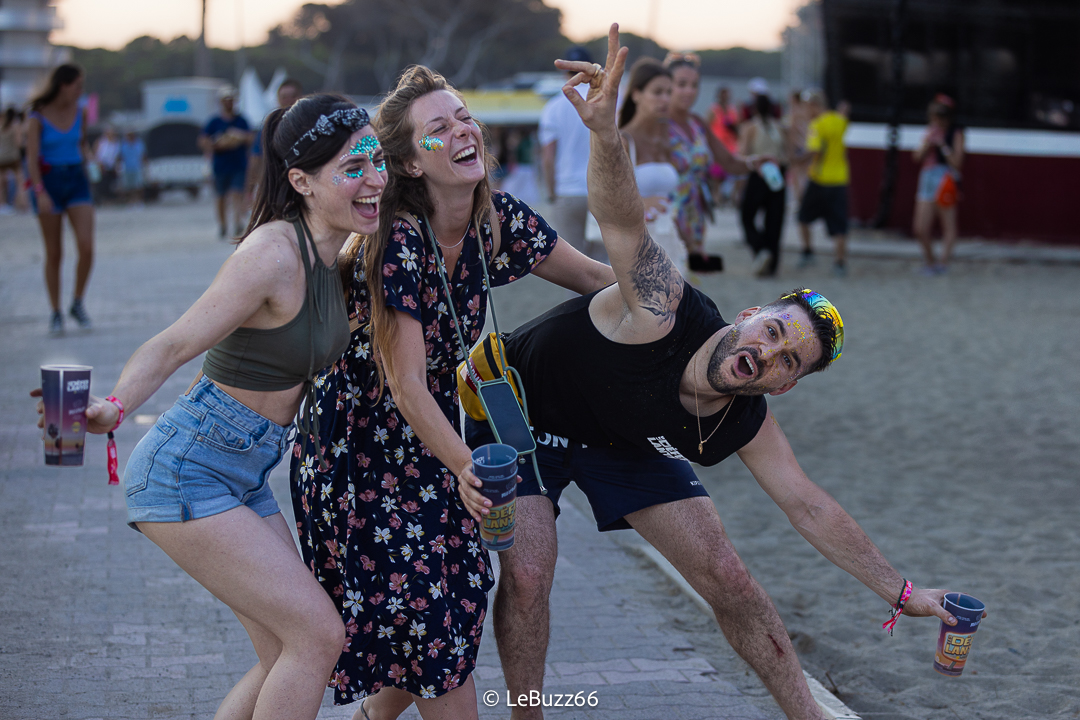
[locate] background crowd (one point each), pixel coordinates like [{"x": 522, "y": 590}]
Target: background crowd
[{"x": 761, "y": 157}]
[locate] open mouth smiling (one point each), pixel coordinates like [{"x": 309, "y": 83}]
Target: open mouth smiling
[
  {"x": 367, "y": 206},
  {"x": 465, "y": 156},
  {"x": 744, "y": 367}
]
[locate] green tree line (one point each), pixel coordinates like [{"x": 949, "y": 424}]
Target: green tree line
[{"x": 360, "y": 46}]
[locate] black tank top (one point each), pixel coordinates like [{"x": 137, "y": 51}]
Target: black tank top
[{"x": 584, "y": 387}]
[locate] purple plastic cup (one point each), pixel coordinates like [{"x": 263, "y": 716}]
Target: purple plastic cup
[
  {"x": 954, "y": 641},
  {"x": 65, "y": 392}
]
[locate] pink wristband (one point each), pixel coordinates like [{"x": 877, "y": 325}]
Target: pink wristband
[
  {"x": 119, "y": 406},
  {"x": 898, "y": 609}
]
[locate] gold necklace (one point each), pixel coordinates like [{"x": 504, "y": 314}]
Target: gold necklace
[{"x": 697, "y": 413}]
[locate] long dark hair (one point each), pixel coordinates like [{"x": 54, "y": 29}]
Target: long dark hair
[
  {"x": 763, "y": 108},
  {"x": 404, "y": 193},
  {"x": 9, "y": 117},
  {"x": 62, "y": 75},
  {"x": 641, "y": 74},
  {"x": 276, "y": 198}
]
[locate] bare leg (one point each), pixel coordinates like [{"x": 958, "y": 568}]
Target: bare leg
[
  {"x": 389, "y": 703},
  {"x": 804, "y": 234},
  {"x": 522, "y": 616},
  {"x": 236, "y": 199},
  {"x": 82, "y": 220},
  {"x": 841, "y": 248},
  {"x": 246, "y": 562},
  {"x": 948, "y": 233},
  {"x": 52, "y": 234},
  {"x": 239, "y": 704},
  {"x": 458, "y": 704},
  {"x": 924, "y": 220},
  {"x": 220, "y": 205},
  {"x": 690, "y": 535}
]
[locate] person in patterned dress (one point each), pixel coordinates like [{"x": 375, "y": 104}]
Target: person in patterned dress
[
  {"x": 693, "y": 150},
  {"x": 382, "y": 525}
]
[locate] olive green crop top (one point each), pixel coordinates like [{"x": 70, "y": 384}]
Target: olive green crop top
[{"x": 286, "y": 356}]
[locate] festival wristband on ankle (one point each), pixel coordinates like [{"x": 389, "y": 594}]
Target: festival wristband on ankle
[{"x": 898, "y": 609}]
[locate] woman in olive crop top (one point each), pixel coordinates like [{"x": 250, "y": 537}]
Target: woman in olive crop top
[{"x": 273, "y": 317}]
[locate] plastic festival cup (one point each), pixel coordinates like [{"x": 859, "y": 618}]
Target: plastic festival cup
[
  {"x": 954, "y": 642},
  {"x": 496, "y": 466},
  {"x": 65, "y": 391}
]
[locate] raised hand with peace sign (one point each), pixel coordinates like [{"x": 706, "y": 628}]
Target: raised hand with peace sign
[{"x": 649, "y": 286}]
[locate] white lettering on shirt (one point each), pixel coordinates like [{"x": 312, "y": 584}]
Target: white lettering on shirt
[{"x": 665, "y": 448}]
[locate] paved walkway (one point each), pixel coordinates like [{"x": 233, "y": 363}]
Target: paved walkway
[{"x": 99, "y": 623}]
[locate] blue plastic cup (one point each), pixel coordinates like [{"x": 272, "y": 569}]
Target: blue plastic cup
[
  {"x": 496, "y": 466},
  {"x": 954, "y": 641}
]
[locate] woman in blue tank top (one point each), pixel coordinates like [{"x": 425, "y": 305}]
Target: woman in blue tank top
[
  {"x": 197, "y": 483},
  {"x": 55, "y": 152}
]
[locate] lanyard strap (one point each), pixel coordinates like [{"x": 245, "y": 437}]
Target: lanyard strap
[{"x": 427, "y": 230}]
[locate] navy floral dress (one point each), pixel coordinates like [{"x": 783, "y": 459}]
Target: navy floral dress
[{"x": 383, "y": 529}]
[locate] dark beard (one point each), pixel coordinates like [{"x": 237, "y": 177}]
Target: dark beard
[{"x": 721, "y": 381}]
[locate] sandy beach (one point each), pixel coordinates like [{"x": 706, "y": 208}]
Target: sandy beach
[{"x": 948, "y": 430}]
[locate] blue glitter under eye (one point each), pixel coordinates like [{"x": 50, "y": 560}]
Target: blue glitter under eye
[{"x": 366, "y": 145}]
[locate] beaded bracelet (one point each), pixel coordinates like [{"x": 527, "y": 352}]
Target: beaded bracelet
[{"x": 898, "y": 609}]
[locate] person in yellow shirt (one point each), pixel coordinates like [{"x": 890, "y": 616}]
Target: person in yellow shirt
[{"x": 826, "y": 195}]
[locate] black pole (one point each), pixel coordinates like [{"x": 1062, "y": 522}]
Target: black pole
[
  {"x": 202, "y": 54},
  {"x": 892, "y": 153}
]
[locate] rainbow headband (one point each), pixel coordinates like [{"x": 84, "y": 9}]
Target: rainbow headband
[{"x": 825, "y": 309}]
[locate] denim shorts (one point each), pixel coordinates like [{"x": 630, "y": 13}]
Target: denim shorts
[
  {"x": 207, "y": 454},
  {"x": 930, "y": 179},
  {"x": 67, "y": 186}
]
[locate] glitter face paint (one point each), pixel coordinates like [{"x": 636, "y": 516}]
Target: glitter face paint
[
  {"x": 366, "y": 145},
  {"x": 431, "y": 143},
  {"x": 826, "y": 309}
]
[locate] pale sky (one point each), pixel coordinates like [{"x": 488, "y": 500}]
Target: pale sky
[{"x": 680, "y": 24}]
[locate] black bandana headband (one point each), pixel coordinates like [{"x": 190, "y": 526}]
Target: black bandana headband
[{"x": 351, "y": 118}]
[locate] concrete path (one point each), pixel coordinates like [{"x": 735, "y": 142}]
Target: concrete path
[{"x": 99, "y": 623}]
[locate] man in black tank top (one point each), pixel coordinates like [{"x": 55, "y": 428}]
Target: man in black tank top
[{"x": 627, "y": 385}]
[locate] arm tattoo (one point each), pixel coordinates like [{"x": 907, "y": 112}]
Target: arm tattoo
[{"x": 657, "y": 283}]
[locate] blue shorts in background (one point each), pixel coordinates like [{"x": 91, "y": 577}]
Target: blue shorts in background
[
  {"x": 67, "y": 186},
  {"x": 229, "y": 181}
]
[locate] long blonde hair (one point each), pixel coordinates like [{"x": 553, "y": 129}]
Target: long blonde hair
[{"x": 404, "y": 194}]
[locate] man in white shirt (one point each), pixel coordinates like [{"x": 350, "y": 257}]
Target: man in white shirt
[{"x": 564, "y": 161}]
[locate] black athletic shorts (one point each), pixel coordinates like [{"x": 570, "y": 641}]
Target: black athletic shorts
[
  {"x": 616, "y": 482},
  {"x": 825, "y": 201}
]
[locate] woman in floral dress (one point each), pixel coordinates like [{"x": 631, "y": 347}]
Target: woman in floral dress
[{"x": 382, "y": 525}]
